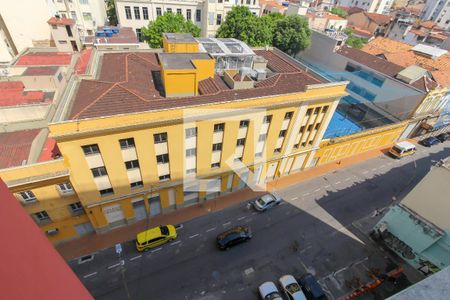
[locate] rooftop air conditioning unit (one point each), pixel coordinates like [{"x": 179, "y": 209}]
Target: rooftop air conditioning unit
[
  {"x": 261, "y": 75},
  {"x": 53, "y": 231}
]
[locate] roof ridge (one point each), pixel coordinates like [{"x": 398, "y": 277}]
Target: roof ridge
[
  {"x": 137, "y": 55},
  {"x": 95, "y": 101},
  {"x": 131, "y": 92}
]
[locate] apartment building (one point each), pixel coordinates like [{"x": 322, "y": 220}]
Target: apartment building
[
  {"x": 372, "y": 6},
  {"x": 208, "y": 15},
  {"x": 437, "y": 11},
  {"x": 88, "y": 14}
]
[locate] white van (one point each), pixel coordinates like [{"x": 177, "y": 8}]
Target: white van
[{"x": 402, "y": 149}]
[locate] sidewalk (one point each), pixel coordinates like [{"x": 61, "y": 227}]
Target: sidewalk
[{"x": 94, "y": 242}]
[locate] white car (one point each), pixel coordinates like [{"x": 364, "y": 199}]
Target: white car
[
  {"x": 269, "y": 291},
  {"x": 291, "y": 288},
  {"x": 266, "y": 201}
]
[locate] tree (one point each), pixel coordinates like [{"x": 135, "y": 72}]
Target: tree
[
  {"x": 292, "y": 34},
  {"x": 168, "y": 22},
  {"x": 240, "y": 24},
  {"x": 339, "y": 12},
  {"x": 353, "y": 41},
  {"x": 111, "y": 12}
]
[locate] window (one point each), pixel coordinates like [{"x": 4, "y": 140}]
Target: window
[
  {"x": 106, "y": 192},
  {"x": 316, "y": 111},
  {"x": 304, "y": 144},
  {"x": 179, "y": 12},
  {"x": 87, "y": 16},
  {"x": 76, "y": 207},
  {"x": 325, "y": 109},
  {"x": 191, "y": 171},
  {"x": 267, "y": 119},
  {"x": 288, "y": 115},
  {"x": 219, "y": 19},
  {"x": 137, "y": 13},
  {"x": 310, "y": 142},
  {"x": 42, "y": 216},
  {"x": 84, "y": 1},
  {"x": 158, "y": 11},
  {"x": 191, "y": 132},
  {"x": 215, "y": 165},
  {"x": 126, "y": 143},
  {"x": 54, "y": 27},
  {"x": 191, "y": 152},
  {"x": 262, "y": 137},
  {"x": 188, "y": 14},
  {"x": 308, "y": 112},
  {"x": 90, "y": 149},
  {"x": 219, "y": 1},
  {"x": 317, "y": 126},
  {"x": 169, "y": 10},
  {"x": 139, "y": 35},
  {"x": 296, "y": 146},
  {"x": 278, "y": 150},
  {"x": 136, "y": 184},
  {"x": 162, "y": 159},
  {"x": 132, "y": 164},
  {"x": 100, "y": 171},
  {"x": 217, "y": 147},
  {"x": 198, "y": 15},
  {"x": 240, "y": 142},
  {"x": 160, "y": 137},
  {"x": 65, "y": 187},
  {"x": 248, "y": 2},
  {"x": 309, "y": 128},
  {"x": 69, "y": 30},
  {"x": 219, "y": 127},
  {"x": 244, "y": 123},
  {"x": 28, "y": 196},
  {"x": 145, "y": 13},
  {"x": 164, "y": 177},
  {"x": 259, "y": 154},
  {"x": 302, "y": 129},
  {"x": 282, "y": 133},
  {"x": 62, "y": 42}
]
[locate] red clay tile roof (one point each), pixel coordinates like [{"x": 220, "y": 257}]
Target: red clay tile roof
[
  {"x": 50, "y": 150},
  {"x": 82, "y": 62},
  {"x": 208, "y": 87},
  {"x": 382, "y": 66},
  {"x": 15, "y": 147},
  {"x": 12, "y": 93},
  {"x": 351, "y": 10},
  {"x": 428, "y": 24},
  {"x": 60, "y": 21},
  {"x": 379, "y": 18},
  {"x": 130, "y": 82},
  {"x": 40, "y": 71},
  {"x": 44, "y": 59}
]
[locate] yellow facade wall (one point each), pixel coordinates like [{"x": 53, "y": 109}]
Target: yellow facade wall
[
  {"x": 339, "y": 148},
  {"x": 180, "y": 82},
  {"x": 180, "y": 47},
  {"x": 205, "y": 68}
]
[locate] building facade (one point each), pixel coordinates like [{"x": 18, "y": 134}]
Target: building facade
[
  {"x": 208, "y": 15},
  {"x": 438, "y": 12},
  {"x": 372, "y": 6}
]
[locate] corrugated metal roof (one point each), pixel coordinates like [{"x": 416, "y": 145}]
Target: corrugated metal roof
[{"x": 429, "y": 50}]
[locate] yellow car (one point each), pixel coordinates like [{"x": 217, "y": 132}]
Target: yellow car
[{"x": 155, "y": 237}]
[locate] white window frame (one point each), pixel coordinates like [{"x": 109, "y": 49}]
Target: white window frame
[{"x": 30, "y": 197}]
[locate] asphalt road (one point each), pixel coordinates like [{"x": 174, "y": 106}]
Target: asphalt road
[{"x": 313, "y": 230}]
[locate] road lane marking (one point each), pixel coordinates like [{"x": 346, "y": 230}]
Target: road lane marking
[
  {"x": 211, "y": 229},
  {"x": 374, "y": 169},
  {"x": 295, "y": 198},
  {"x": 347, "y": 179},
  {"x": 156, "y": 250},
  {"x": 306, "y": 194},
  {"x": 337, "y": 182},
  {"x": 365, "y": 172},
  {"x": 113, "y": 266},
  {"x": 89, "y": 275},
  {"x": 136, "y": 257},
  {"x": 382, "y": 166},
  {"x": 175, "y": 243},
  {"x": 248, "y": 220},
  {"x": 241, "y": 218},
  {"x": 193, "y": 236},
  {"x": 316, "y": 190},
  {"x": 327, "y": 186},
  {"x": 226, "y": 224}
]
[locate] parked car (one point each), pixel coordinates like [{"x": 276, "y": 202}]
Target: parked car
[
  {"x": 266, "y": 201},
  {"x": 291, "y": 288},
  {"x": 443, "y": 137},
  {"x": 155, "y": 237},
  {"x": 428, "y": 142},
  {"x": 269, "y": 291},
  {"x": 233, "y": 236},
  {"x": 311, "y": 288}
]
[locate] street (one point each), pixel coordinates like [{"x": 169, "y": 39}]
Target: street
[{"x": 321, "y": 227}]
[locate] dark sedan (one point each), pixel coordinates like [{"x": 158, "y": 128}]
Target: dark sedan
[
  {"x": 428, "y": 142},
  {"x": 233, "y": 236},
  {"x": 444, "y": 137}
]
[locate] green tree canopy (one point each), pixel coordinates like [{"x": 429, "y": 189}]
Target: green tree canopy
[
  {"x": 168, "y": 22},
  {"x": 353, "y": 41},
  {"x": 339, "y": 12},
  {"x": 292, "y": 34},
  {"x": 111, "y": 12}
]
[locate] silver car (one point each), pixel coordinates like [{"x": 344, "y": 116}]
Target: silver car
[
  {"x": 266, "y": 201},
  {"x": 269, "y": 291},
  {"x": 291, "y": 288}
]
